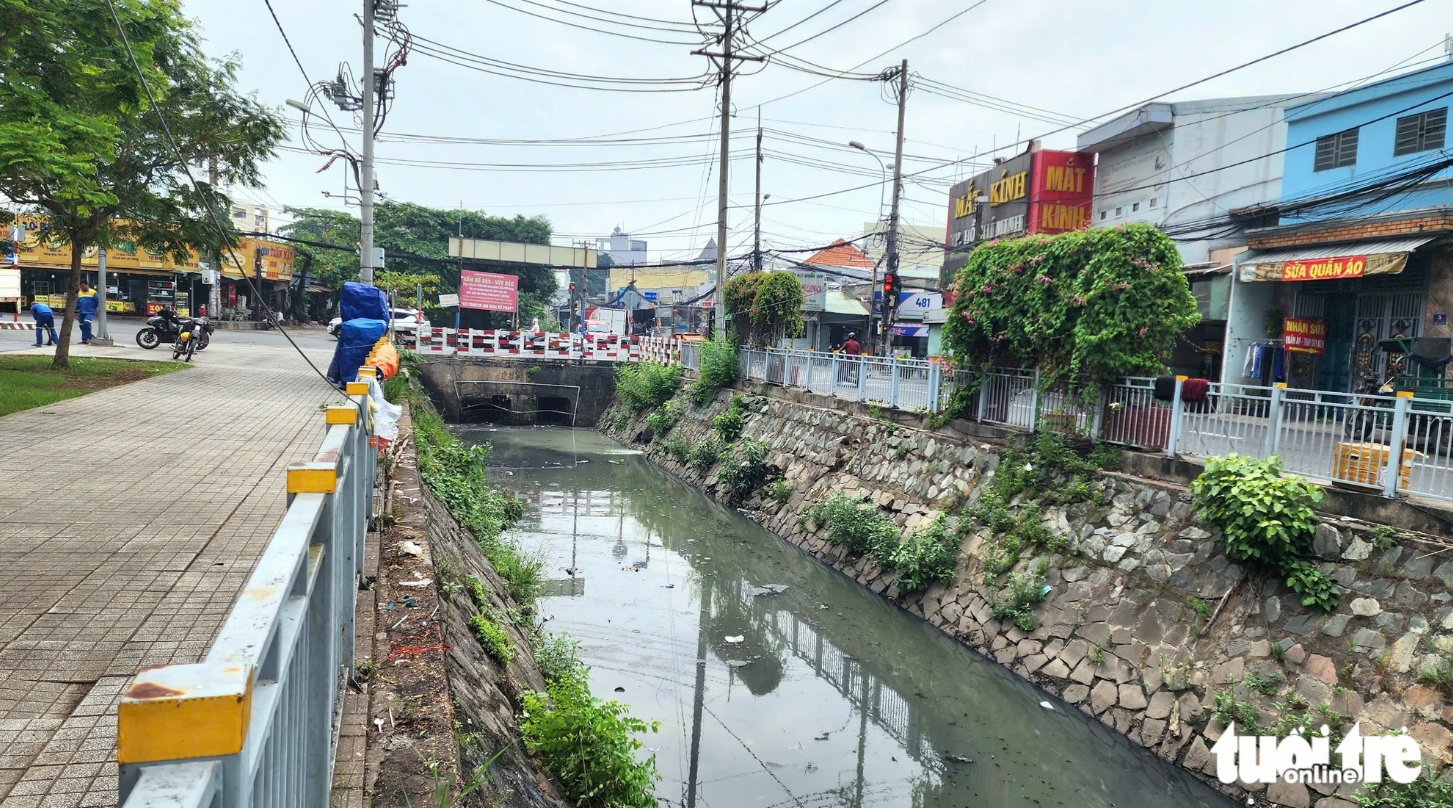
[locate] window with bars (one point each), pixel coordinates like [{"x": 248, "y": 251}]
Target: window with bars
[
  {"x": 1336, "y": 151},
  {"x": 1421, "y": 132}
]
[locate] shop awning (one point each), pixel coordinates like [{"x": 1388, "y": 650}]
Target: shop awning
[
  {"x": 839, "y": 303},
  {"x": 1333, "y": 261}
]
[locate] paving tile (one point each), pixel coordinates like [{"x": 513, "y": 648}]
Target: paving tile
[{"x": 129, "y": 545}]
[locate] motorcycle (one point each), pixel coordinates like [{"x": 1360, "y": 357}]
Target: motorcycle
[
  {"x": 166, "y": 326},
  {"x": 195, "y": 333}
]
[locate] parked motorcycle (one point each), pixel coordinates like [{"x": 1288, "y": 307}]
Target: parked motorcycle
[
  {"x": 166, "y": 326},
  {"x": 194, "y": 336}
]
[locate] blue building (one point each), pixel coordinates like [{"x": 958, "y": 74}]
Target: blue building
[{"x": 1355, "y": 248}]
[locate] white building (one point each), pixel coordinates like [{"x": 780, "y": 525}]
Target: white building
[
  {"x": 622, "y": 249},
  {"x": 249, "y": 218},
  {"x": 1183, "y": 166}
]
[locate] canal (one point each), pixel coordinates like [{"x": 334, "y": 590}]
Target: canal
[{"x": 776, "y": 680}]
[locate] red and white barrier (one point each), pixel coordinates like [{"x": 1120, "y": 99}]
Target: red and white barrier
[{"x": 543, "y": 345}]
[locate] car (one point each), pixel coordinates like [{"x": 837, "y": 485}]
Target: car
[{"x": 405, "y": 321}]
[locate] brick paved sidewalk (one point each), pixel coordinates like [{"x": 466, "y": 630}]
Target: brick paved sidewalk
[{"x": 125, "y": 541}]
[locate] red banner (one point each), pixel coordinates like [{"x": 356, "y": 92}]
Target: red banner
[
  {"x": 1305, "y": 336},
  {"x": 1061, "y": 192},
  {"x": 1324, "y": 269},
  {"x": 488, "y": 291}
]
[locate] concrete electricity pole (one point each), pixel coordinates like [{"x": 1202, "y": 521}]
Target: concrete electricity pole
[
  {"x": 214, "y": 301},
  {"x": 757, "y": 228},
  {"x": 723, "y": 61},
  {"x": 365, "y": 181},
  {"x": 891, "y": 306}
]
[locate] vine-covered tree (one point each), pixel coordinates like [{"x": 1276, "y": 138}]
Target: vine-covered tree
[
  {"x": 764, "y": 307},
  {"x": 1085, "y": 306},
  {"x": 81, "y": 142}
]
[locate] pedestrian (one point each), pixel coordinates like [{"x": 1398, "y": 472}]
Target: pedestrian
[
  {"x": 85, "y": 310},
  {"x": 44, "y": 322}
]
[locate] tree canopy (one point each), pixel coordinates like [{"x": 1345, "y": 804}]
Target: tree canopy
[
  {"x": 81, "y": 142},
  {"x": 1087, "y": 306},
  {"x": 415, "y": 240},
  {"x": 763, "y": 307}
]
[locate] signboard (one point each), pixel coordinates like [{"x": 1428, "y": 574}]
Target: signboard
[
  {"x": 32, "y": 249},
  {"x": 1062, "y": 192},
  {"x": 910, "y": 330},
  {"x": 488, "y": 291},
  {"x": 651, "y": 296},
  {"x": 1324, "y": 269},
  {"x": 1305, "y": 336},
  {"x": 814, "y": 290},
  {"x": 445, "y": 301},
  {"x": 914, "y": 305}
]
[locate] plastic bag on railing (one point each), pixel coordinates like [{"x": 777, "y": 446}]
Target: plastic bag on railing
[{"x": 385, "y": 415}]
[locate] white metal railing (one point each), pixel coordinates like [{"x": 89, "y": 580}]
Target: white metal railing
[
  {"x": 1349, "y": 439},
  {"x": 254, "y": 723}
]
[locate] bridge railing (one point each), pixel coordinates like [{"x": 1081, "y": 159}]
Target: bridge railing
[{"x": 254, "y": 723}]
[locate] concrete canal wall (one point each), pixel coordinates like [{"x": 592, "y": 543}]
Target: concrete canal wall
[
  {"x": 1146, "y": 620},
  {"x": 519, "y": 391}
]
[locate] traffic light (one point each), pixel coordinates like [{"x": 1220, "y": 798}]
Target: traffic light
[
  {"x": 890, "y": 290},
  {"x": 572, "y": 290}
]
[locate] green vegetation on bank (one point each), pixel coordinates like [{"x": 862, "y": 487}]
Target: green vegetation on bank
[
  {"x": 1267, "y": 520},
  {"x": 589, "y": 744},
  {"x": 719, "y": 368},
  {"x": 644, "y": 385},
  {"x": 31, "y": 381}
]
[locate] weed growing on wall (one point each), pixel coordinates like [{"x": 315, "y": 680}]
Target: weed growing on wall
[
  {"x": 663, "y": 419},
  {"x": 744, "y": 467},
  {"x": 729, "y": 424},
  {"x": 927, "y": 555},
  {"x": 1267, "y": 520},
  {"x": 780, "y": 492},
  {"x": 589, "y": 745},
  {"x": 1016, "y": 602},
  {"x": 493, "y": 639},
  {"x": 557, "y": 655},
  {"x": 719, "y": 368},
  {"x": 454, "y": 473},
  {"x": 706, "y": 453},
  {"x": 676, "y": 447},
  {"x": 643, "y": 385},
  {"x": 856, "y": 525}
]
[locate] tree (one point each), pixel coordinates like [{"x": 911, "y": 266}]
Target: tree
[
  {"x": 1085, "y": 306},
  {"x": 415, "y": 240},
  {"x": 81, "y": 141},
  {"x": 764, "y": 307}
]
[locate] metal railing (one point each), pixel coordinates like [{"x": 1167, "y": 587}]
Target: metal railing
[
  {"x": 1389, "y": 444},
  {"x": 255, "y": 722}
]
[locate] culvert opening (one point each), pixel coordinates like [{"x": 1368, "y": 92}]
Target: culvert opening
[{"x": 554, "y": 411}]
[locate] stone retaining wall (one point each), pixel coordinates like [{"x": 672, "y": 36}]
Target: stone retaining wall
[{"x": 1147, "y": 620}]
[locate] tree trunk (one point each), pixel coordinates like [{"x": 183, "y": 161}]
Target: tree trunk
[{"x": 63, "y": 345}]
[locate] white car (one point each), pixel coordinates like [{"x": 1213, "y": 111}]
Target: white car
[{"x": 405, "y": 321}]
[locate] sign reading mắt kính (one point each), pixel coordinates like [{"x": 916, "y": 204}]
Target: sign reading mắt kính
[
  {"x": 1305, "y": 336},
  {"x": 488, "y": 291}
]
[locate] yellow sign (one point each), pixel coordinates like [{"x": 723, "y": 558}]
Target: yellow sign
[
  {"x": 277, "y": 260},
  {"x": 123, "y": 256},
  {"x": 965, "y": 205},
  {"x": 1065, "y": 178},
  {"x": 1008, "y": 188}
]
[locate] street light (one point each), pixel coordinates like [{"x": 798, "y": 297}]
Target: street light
[
  {"x": 873, "y": 277},
  {"x": 884, "y": 169},
  {"x": 298, "y": 105}
]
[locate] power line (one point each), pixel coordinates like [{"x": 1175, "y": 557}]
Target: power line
[{"x": 596, "y": 30}]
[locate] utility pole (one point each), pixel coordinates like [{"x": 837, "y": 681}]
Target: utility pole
[
  {"x": 214, "y": 300},
  {"x": 365, "y": 191},
  {"x": 757, "y": 229},
  {"x": 891, "y": 306},
  {"x": 723, "y": 62}
]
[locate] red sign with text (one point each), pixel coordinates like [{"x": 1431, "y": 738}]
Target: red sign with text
[
  {"x": 1324, "y": 269},
  {"x": 1061, "y": 191},
  {"x": 1305, "y": 336},
  {"x": 488, "y": 291}
]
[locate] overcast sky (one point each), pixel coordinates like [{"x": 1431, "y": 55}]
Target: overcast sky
[{"x": 1070, "y": 58}]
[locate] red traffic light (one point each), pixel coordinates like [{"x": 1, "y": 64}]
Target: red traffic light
[{"x": 890, "y": 289}]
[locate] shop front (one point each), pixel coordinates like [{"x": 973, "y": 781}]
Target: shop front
[{"x": 1332, "y": 316}]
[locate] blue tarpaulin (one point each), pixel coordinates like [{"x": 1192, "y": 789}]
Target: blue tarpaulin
[
  {"x": 355, "y": 339},
  {"x": 361, "y": 301}
]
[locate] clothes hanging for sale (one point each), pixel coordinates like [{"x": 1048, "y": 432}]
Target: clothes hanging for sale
[
  {"x": 1165, "y": 388},
  {"x": 1194, "y": 390}
]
